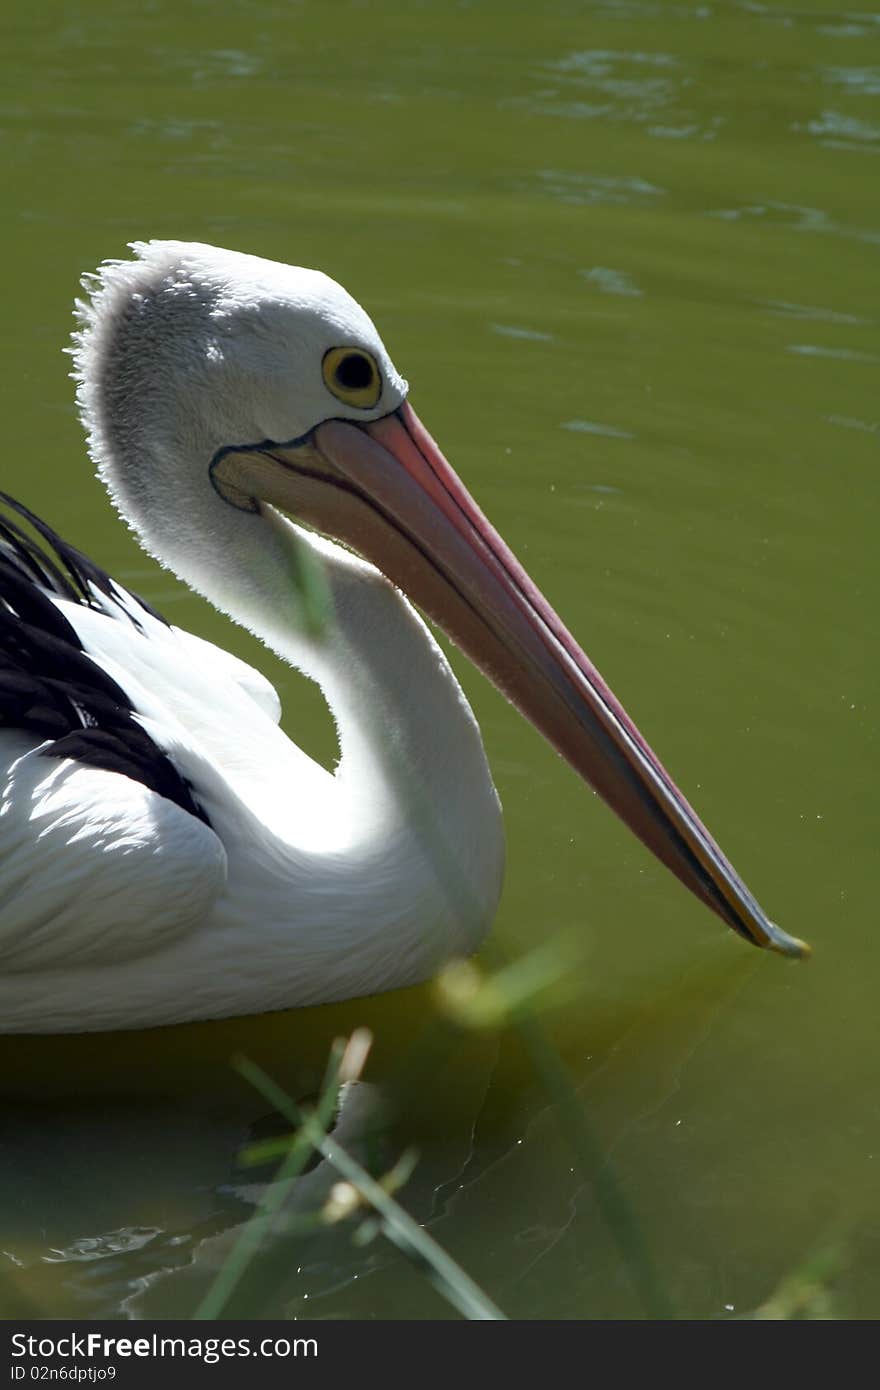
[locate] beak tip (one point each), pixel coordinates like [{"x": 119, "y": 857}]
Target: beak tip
[{"x": 779, "y": 940}]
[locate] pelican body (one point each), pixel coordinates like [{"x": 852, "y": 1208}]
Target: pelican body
[{"x": 166, "y": 852}]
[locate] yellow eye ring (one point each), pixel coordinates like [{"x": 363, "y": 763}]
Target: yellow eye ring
[{"x": 353, "y": 376}]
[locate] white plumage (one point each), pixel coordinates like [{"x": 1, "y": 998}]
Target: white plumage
[{"x": 218, "y": 389}]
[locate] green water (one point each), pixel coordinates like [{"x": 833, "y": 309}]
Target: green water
[{"x": 627, "y": 256}]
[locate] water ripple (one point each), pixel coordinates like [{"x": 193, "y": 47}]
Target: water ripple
[
  {"x": 513, "y": 330},
  {"x": 849, "y": 422},
  {"x": 592, "y": 427},
  {"x": 609, "y": 281},
  {"x": 837, "y": 354},
  {"x": 810, "y": 311},
  {"x": 865, "y": 81},
  {"x": 569, "y": 187},
  {"x": 798, "y": 217},
  {"x": 595, "y": 83},
  {"x": 845, "y": 131}
]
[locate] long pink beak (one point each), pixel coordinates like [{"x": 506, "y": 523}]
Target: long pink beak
[{"x": 397, "y": 501}]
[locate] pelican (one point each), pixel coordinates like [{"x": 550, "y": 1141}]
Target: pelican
[{"x": 167, "y": 854}]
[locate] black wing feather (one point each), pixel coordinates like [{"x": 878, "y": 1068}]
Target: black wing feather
[{"x": 48, "y": 685}]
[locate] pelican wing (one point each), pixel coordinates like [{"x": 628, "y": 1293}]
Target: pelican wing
[
  {"x": 105, "y": 850},
  {"x": 96, "y": 867}
]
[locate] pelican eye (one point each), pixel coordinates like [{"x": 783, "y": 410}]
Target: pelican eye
[{"x": 353, "y": 376}]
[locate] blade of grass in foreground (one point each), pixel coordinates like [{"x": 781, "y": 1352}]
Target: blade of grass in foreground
[
  {"x": 398, "y": 1226},
  {"x": 311, "y": 1135},
  {"x": 255, "y": 1230}
]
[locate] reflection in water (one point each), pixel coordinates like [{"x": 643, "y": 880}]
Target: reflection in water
[
  {"x": 129, "y": 1207},
  {"x": 179, "y": 1174},
  {"x": 299, "y": 1255}
]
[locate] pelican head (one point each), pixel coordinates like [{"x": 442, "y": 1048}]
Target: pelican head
[{"x": 219, "y": 389}]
